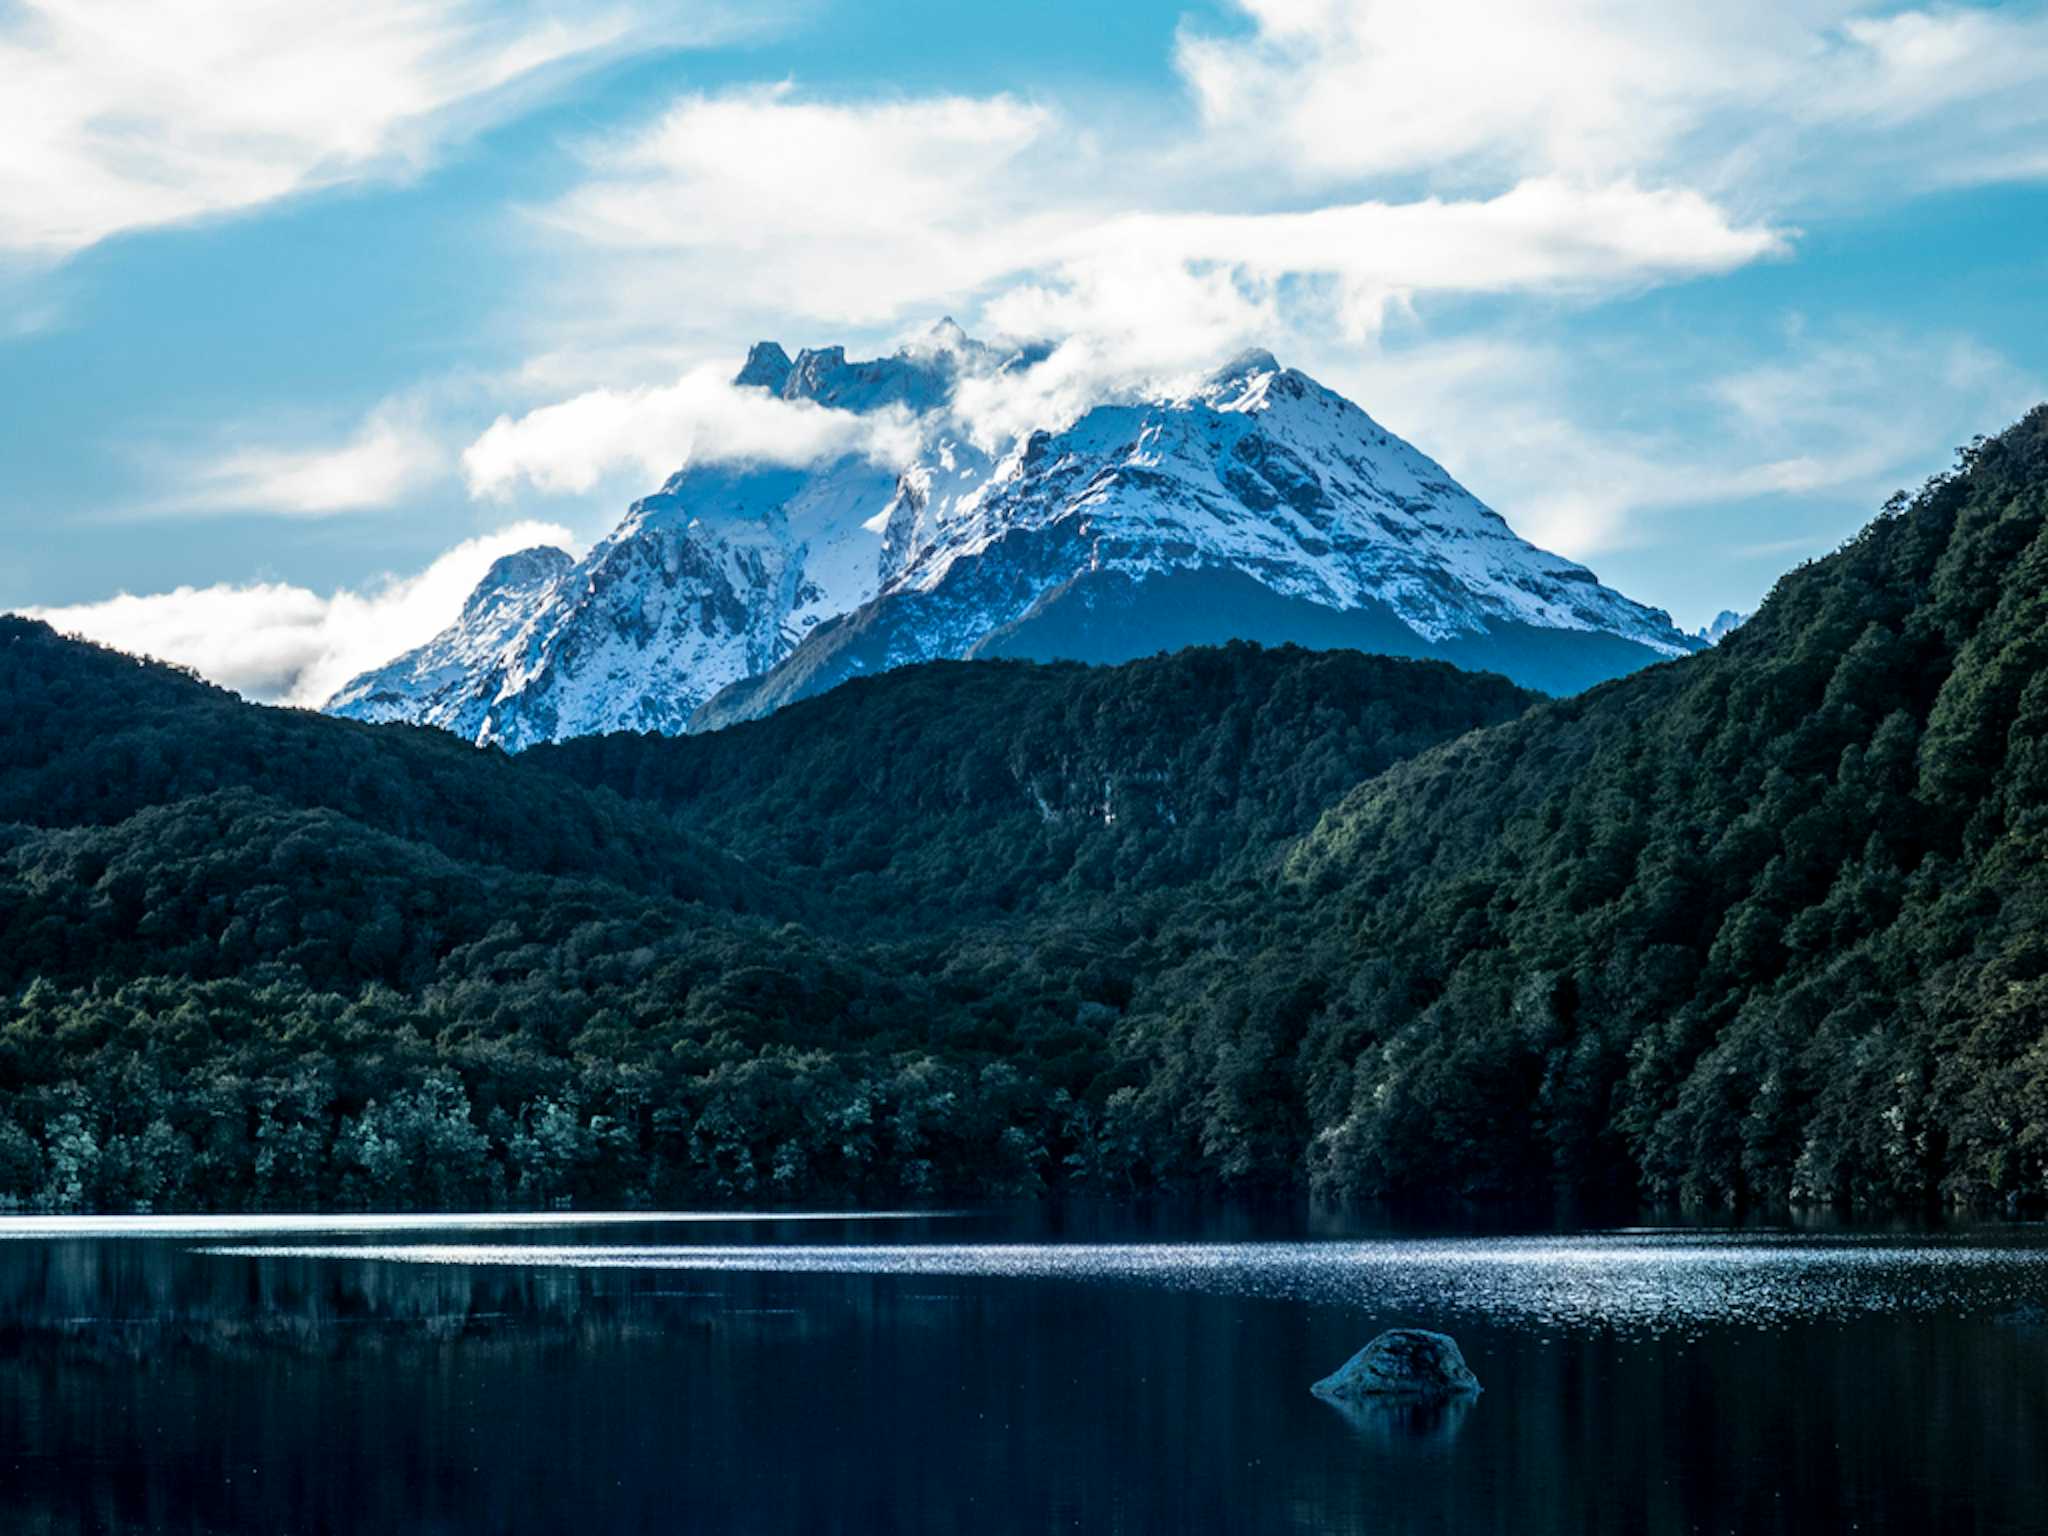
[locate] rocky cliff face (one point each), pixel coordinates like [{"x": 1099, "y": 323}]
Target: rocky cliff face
[{"x": 1259, "y": 505}]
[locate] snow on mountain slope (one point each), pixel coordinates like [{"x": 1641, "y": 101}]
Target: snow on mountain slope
[
  {"x": 1265, "y": 471},
  {"x": 712, "y": 579},
  {"x": 1726, "y": 622},
  {"x": 1258, "y": 505},
  {"x": 451, "y": 680},
  {"x": 1261, "y": 505}
]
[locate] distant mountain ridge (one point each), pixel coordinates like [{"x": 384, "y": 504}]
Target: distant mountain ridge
[
  {"x": 1258, "y": 505},
  {"x": 1726, "y": 622}
]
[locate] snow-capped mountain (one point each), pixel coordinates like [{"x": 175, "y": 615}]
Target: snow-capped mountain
[
  {"x": 713, "y": 579},
  {"x": 1726, "y": 622},
  {"x": 1260, "y": 505},
  {"x": 452, "y": 679},
  {"x": 1256, "y": 505}
]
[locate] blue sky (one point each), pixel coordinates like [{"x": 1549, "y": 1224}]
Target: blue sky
[{"x": 301, "y": 323}]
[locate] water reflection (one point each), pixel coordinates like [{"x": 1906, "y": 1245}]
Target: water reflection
[
  {"x": 812, "y": 1379},
  {"x": 1398, "y": 1425},
  {"x": 44, "y": 1228}
]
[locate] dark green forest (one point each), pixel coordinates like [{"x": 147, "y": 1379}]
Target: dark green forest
[{"x": 1765, "y": 924}]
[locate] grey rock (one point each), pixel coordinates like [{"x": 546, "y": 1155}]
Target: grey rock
[{"x": 1404, "y": 1364}]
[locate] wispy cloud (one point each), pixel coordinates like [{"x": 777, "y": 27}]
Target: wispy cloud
[
  {"x": 1135, "y": 300},
  {"x": 274, "y": 641},
  {"x": 852, "y": 212},
  {"x": 125, "y": 116},
  {"x": 391, "y": 455},
  {"x": 1753, "y": 98},
  {"x": 568, "y": 447},
  {"x": 1822, "y": 420},
  {"x": 866, "y": 214},
  {"x": 861, "y": 213},
  {"x": 1539, "y": 237}
]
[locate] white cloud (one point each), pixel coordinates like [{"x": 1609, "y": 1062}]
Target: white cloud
[
  {"x": 1834, "y": 415},
  {"x": 278, "y": 642},
  {"x": 1147, "y": 301},
  {"x": 389, "y": 456},
  {"x": 1540, "y": 237},
  {"x": 1766, "y": 95},
  {"x": 123, "y": 116},
  {"x": 858, "y": 214},
  {"x": 1332, "y": 89},
  {"x": 1824, "y": 423},
  {"x": 1910, "y": 65},
  {"x": 851, "y": 212},
  {"x": 568, "y": 447},
  {"x": 1137, "y": 300}
]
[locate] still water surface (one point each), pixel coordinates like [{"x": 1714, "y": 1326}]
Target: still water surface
[{"x": 1090, "y": 1370}]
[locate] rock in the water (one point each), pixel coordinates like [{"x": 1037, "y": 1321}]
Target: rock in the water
[{"x": 1410, "y": 1364}]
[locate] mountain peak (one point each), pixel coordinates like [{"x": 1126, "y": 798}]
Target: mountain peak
[
  {"x": 450, "y": 680},
  {"x": 823, "y": 376},
  {"x": 1726, "y": 622},
  {"x": 1262, "y": 506},
  {"x": 516, "y": 575},
  {"x": 1245, "y": 383},
  {"x": 1250, "y": 361},
  {"x": 767, "y": 367},
  {"x": 524, "y": 567},
  {"x": 918, "y": 376},
  {"x": 814, "y": 369}
]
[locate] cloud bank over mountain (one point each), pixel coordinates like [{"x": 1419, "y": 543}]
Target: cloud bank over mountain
[{"x": 278, "y": 642}]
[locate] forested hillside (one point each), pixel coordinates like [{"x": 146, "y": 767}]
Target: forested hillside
[
  {"x": 257, "y": 956},
  {"x": 93, "y": 737},
  {"x": 963, "y": 791},
  {"x": 1769, "y": 922}
]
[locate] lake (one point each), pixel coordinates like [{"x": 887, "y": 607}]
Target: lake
[{"x": 1086, "y": 1369}]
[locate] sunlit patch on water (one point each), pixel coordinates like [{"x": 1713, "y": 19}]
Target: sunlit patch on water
[{"x": 1651, "y": 1282}]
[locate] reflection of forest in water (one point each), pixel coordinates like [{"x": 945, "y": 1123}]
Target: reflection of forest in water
[
  {"x": 91, "y": 1299},
  {"x": 145, "y": 1386}
]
